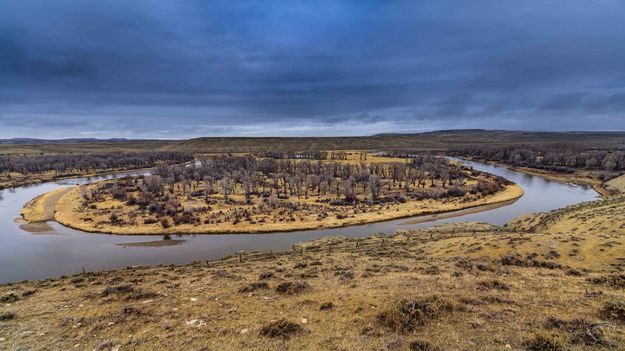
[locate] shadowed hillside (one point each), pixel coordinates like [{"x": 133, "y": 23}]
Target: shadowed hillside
[{"x": 430, "y": 140}]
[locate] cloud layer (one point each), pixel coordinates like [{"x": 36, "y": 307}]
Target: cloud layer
[{"x": 177, "y": 69}]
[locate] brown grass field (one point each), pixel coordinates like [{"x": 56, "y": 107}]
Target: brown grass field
[
  {"x": 465, "y": 286},
  {"x": 439, "y": 140}
]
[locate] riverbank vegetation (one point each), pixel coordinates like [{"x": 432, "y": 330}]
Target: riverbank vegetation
[
  {"x": 19, "y": 170},
  {"x": 222, "y": 194},
  {"x": 573, "y": 161}
]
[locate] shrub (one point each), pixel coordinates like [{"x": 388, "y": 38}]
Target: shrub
[
  {"x": 406, "y": 316},
  {"x": 138, "y": 295},
  {"x": 280, "y": 329},
  {"x": 299, "y": 265},
  {"x": 265, "y": 275},
  {"x": 7, "y": 316},
  {"x": 131, "y": 200},
  {"x": 8, "y": 298},
  {"x": 165, "y": 222},
  {"x": 77, "y": 280},
  {"x": 614, "y": 310},
  {"x": 254, "y": 287},
  {"x": 291, "y": 288},
  {"x": 421, "y": 345},
  {"x": 580, "y": 331},
  {"x": 517, "y": 260},
  {"x": 492, "y": 284},
  {"x": 326, "y": 306},
  {"x": 119, "y": 289},
  {"x": 613, "y": 280},
  {"x": 544, "y": 342}
]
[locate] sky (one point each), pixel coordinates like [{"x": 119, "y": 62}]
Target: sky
[{"x": 183, "y": 69}]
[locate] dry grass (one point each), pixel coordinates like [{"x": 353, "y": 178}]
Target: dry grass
[
  {"x": 442, "y": 289},
  {"x": 616, "y": 185}
]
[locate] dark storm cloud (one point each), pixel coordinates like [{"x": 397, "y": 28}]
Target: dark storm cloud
[{"x": 189, "y": 68}]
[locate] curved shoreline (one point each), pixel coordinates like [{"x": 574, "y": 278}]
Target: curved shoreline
[
  {"x": 42, "y": 208},
  {"x": 64, "y": 217},
  {"x": 597, "y": 185}
]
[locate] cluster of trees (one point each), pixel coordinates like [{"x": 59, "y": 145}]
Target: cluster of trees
[
  {"x": 275, "y": 183},
  {"x": 554, "y": 158},
  {"x": 84, "y": 163},
  {"x": 286, "y": 178},
  {"x": 304, "y": 155}
]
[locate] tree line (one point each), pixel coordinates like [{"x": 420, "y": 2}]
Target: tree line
[
  {"x": 84, "y": 163},
  {"x": 556, "y": 159}
]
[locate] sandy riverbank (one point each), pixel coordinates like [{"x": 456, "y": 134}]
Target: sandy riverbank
[{"x": 42, "y": 208}]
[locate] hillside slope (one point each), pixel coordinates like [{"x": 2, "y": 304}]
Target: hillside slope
[{"x": 464, "y": 286}]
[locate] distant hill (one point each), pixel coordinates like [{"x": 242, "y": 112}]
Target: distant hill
[
  {"x": 33, "y": 141},
  {"x": 437, "y": 140}
]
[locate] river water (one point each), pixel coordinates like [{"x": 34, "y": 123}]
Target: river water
[{"x": 25, "y": 255}]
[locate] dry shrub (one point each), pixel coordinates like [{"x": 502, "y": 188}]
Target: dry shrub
[
  {"x": 613, "y": 280},
  {"x": 127, "y": 313},
  {"x": 544, "y": 342},
  {"x": 574, "y": 272},
  {"x": 224, "y": 274},
  {"x": 118, "y": 289},
  {"x": 407, "y": 315},
  {"x": 7, "y": 316},
  {"x": 280, "y": 329},
  {"x": 254, "y": 287},
  {"x": 77, "y": 280},
  {"x": 138, "y": 295},
  {"x": 579, "y": 330},
  {"x": 519, "y": 261},
  {"x": 299, "y": 265},
  {"x": 614, "y": 310},
  {"x": 421, "y": 345},
  {"x": 326, "y": 306},
  {"x": 265, "y": 275},
  {"x": 492, "y": 285},
  {"x": 8, "y": 298},
  {"x": 291, "y": 288}
]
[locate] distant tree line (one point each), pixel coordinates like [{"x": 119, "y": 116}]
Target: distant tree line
[
  {"x": 556, "y": 159},
  {"x": 84, "y": 163},
  {"x": 306, "y": 155}
]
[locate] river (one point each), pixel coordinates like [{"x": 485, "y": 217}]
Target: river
[{"x": 25, "y": 255}]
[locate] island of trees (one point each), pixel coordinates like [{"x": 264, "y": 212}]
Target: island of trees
[{"x": 278, "y": 192}]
